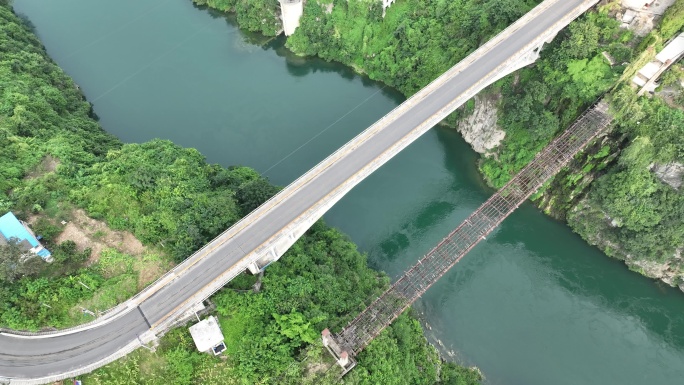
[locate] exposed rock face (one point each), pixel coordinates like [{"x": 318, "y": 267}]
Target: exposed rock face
[
  {"x": 479, "y": 129},
  {"x": 670, "y": 272},
  {"x": 669, "y": 269},
  {"x": 670, "y": 173}
]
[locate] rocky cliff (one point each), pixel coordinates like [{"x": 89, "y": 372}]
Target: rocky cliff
[{"x": 479, "y": 128}]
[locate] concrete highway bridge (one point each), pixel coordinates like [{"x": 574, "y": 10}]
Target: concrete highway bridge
[{"x": 264, "y": 235}]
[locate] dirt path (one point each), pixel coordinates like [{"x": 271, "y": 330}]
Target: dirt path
[{"x": 91, "y": 233}]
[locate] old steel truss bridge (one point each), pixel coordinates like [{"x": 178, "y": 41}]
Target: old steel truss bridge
[{"x": 380, "y": 313}]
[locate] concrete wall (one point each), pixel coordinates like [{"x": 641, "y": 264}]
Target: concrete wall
[{"x": 385, "y": 5}]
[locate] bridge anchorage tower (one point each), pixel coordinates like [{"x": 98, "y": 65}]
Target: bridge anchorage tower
[{"x": 339, "y": 352}]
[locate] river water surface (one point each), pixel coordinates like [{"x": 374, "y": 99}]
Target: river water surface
[{"x": 532, "y": 305}]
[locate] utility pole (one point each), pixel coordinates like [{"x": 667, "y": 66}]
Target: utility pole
[{"x": 143, "y": 345}]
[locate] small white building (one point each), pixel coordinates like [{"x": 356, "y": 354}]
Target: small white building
[
  {"x": 386, "y": 3},
  {"x": 637, "y": 4},
  {"x": 208, "y": 336},
  {"x": 290, "y": 13}
]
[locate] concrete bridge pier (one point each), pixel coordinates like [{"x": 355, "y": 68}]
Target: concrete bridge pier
[
  {"x": 289, "y": 235},
  {"x": 290, "y": 12},
  {"x": 528, "y": 58}
]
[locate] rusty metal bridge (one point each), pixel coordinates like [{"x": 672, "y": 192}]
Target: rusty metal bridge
[{"x": 380, "y": 313}]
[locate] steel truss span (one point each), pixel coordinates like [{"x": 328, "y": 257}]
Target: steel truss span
[{"x": 379, "y": 314}]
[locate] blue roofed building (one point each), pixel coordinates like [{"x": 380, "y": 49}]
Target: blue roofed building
[{"x": 11, "y": 227}]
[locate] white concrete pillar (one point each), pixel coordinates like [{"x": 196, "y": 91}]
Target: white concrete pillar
[
  {"x": 254, "y": 268},
  {"x": 291, "y": 12},
  {"x": 325, "y": 335},
  {"x": 344, "y": 359}
]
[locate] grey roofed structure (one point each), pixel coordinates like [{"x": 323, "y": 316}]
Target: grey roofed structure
[
  {"x": 12, "y": 228},
  {"x": 208, "y": 336},
  {"x": 673, "y": 50}
]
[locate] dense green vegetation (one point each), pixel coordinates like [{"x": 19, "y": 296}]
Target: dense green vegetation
[
  {"x": 173, "y": 201},
  {"x": 167, "y": 195},
  {"x": 253, "y": 15},
  {"x": 55, "y": 158},
  {"x": 414, "y": 43},
  {"x": 317, "y": 284},
  {"x": 42, "y": 112},
  {"x": 629, "y": 212},
  {"x": 540, "y": 100}
]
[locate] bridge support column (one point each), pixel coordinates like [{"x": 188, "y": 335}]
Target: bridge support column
[
  {"x": 290, "y": 12},
  {"x": 254, "y": 268},
  {"x": 267, "y": 258},
  {"x": 529, "y": 58}
]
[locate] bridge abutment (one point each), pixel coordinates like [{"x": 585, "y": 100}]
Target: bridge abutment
[
  {"x": 290, "y": 12},
  {"x": 341, "y": 355}
]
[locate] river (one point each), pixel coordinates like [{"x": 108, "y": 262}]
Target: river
[{"x": 532, "y": 305}]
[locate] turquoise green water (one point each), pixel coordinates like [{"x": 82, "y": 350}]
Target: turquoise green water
[{"x": 531, "y": 305}]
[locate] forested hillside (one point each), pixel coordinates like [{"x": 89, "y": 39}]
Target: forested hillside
[
  {"x": 414, "y": 43},
  {"x": 253, "y": 15},
  {"x": 628, "y": 212},
  {"x": 55, "y": 160}
]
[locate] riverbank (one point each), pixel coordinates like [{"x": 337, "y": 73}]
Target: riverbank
[
  {"x": 521, "y": 299},
  {"x": 170, "y": 198}
]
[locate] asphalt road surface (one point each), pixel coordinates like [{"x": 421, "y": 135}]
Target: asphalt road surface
[{"x": 24, "y": 358}]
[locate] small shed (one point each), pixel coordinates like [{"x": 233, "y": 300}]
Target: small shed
[
  {"x": 208, "y": 336},
  {"x": 637, "y": 4},
  {"x": 673, "y": 51},
  {"x": 11, "y": 227}
]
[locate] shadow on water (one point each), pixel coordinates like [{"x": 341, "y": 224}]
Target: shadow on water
[
  {"x": 216, "y": 14},
  {"x": 253, "y": 38},
  {"x": 27, "y": 22},
  {"x": 440, "y": 203},
  {"x": 417, "y": 224}
]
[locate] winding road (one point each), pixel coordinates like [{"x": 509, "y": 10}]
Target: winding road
[{"x": 36, "y": 359}]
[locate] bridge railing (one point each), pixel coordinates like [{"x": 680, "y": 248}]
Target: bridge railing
[
  {"x": 350, "y": 145},
  {"x": 124, "y": 351},
  {"x": 365, "y": 135},
  {"x": 252, "y": 256}
]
